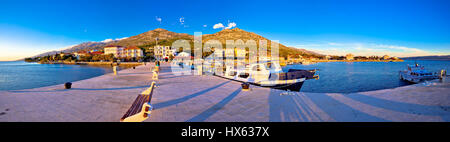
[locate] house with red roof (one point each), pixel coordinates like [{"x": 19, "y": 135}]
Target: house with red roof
[
  {"x": 96, "y": 53},
  {"x": 80, "y": 53}
]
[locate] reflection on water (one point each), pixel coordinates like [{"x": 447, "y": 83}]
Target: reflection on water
[{"x": 348, "y": 77}]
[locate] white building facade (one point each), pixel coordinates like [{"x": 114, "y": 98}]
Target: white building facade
[
  {"x": 122, "y": 52},
  {"x": 163, "y": 52},
  {"x": 133, "y": 52}
]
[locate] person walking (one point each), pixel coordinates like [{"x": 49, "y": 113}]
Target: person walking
[{"x": 157, "y": 64}]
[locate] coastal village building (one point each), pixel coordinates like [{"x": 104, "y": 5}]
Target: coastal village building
[
  {"x": 133, "y": 52},
  {"x": 239, "y": 53},
  {"x": 386, "y": 57},
  {"x": 182, "y": 57},
  {"x": 124, "y": 52},
  {"x": 96, "y": 53},
  {"x": 163, "y": 52},
  {"x": 295, "y": 59},
  {"x": 83, "y": 53},
  {"x": 62, "y": 54},
  {"x": 349, "y": 57},
  {"x": 117, "y": 51},
  {"x": 183, "y": 54},
  {"x": 80, "y": 53},
  {"x": 361, "y": 58}
]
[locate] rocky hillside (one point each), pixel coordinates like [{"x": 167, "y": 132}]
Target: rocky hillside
[
  {"x": 165, "y": 37},
  {"x": 79, "y": 47},
  {"x": 149, "y": 38},
  {"x": 236, "y": 33},
  {"x": 144, "y": 39}
]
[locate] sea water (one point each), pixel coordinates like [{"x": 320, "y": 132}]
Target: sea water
[
  {"x": 16, "y": 75},
  {"x": 350, "y": 77}
]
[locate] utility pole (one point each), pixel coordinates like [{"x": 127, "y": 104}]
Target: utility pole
[{"x": 156, "y": 39}]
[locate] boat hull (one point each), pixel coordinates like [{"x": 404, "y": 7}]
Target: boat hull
[
  {"x": 295, "y": 86},
  {"x": 413, "y": 79},
  {"x": 292, "y": 80},
  {"x": 289, "y": 87}
]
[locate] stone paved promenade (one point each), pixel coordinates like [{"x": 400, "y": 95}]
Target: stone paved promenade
[{"x": 209, "y": 98}]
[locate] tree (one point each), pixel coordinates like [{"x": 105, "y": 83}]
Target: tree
[
  {"x": 109, "y": 57},
  {"x": 97, "y": 57},
  {"x": 68, "y": 60},
  {"x": 28, "y": 60},
  {"x": 86, "y": 58}
]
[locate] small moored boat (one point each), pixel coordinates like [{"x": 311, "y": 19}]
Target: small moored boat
[
  {"x": 268, "y": 74},
  {"x": 416, "y": 74}
]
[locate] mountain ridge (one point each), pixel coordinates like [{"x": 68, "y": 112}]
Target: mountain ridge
[{"x": 165, "y": 37}]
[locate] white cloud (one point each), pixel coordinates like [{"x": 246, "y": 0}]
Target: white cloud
[
  {"x": 158, "y": 19},
  {"x": 109, "y": 40},
  {"x": 365, "y": 49},
  {"x": 399, "y": 48},
  {"x": 205, "y": 26},
  {"x": 182, "y": 20},
  {"x": 231, "y": 25},
  {"x": 121, "y": 38},
  {"x": 218, "y": 25},
  {"x": 67, "y": 47}
]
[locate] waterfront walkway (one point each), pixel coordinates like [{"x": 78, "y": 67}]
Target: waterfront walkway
[{"x": 209, "y": 98}]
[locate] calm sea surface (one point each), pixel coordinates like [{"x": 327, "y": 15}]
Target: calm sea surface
[
  {"x": 22, "y": 75},
  {"x": 348, "y": 77},
  {"x": 335, "y": 77}
]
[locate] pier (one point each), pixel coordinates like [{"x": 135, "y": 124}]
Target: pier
[{"x": 197, "y": 98}]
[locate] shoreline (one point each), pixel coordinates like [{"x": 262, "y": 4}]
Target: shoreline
[
  {"x": 209, "y": 98},
  {"x": 128, "y": 65},
  {"x": 125, "y": 64},
  {"x": 357, "y": 60},
  {"x": 310, "y": 62}
]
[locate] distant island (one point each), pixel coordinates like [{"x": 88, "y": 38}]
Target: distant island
[{"x": 441, "y": 58}]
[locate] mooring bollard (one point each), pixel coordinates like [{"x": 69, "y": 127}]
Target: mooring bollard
[
  {"x": 245, "y": 86},
  {"x": 442, "y": 74},
  {"x": 155, "y": 75},
  {"x": 199, "y": 70},
  {"x": 115, "y": 70},
  {"x": 67, "y": 85}
]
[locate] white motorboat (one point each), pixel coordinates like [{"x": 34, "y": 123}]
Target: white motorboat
[
  {"x": 269, "y": 74},
  {"x": 416, "y": 74}
]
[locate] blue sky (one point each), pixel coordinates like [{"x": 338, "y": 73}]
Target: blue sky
[{"x": 361, "y": 27}]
